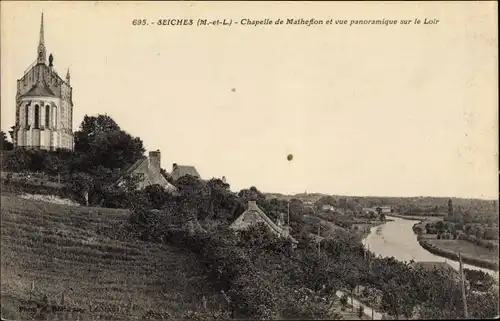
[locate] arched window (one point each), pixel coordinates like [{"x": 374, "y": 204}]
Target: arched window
[
  {"x": 37, "y": 116},
  {"x": 27, "y": 114},
  {"x": 47, "y": 116},
  {"x": 54, "y": 117}
]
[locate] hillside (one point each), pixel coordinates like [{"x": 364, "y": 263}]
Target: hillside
[{"x": 86, "y": 253}]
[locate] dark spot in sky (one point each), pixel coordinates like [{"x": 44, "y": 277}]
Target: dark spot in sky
[
  {"x": 289, "y": 157},
  {"x": 233, "y": 89}
]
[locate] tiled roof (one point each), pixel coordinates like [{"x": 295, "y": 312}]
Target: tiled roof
[
  {"x": 131, "y": 169},
  {"x": 183, "y": 170},
  {"x": 253, "y": 207},
  {"x": 40, "y": 89}
]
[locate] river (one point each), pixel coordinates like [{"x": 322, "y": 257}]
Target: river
[{"x": 396, "y": 238}]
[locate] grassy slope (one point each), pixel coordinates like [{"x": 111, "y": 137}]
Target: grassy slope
[
  {"x": 85, "y": 252},
  {"x": 466, "y": 248}
]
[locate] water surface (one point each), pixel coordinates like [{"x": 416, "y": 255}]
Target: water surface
[{"x": 396, "y": 238}]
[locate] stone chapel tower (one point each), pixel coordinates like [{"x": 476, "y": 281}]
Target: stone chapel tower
[{"x": 44, "y": 105}]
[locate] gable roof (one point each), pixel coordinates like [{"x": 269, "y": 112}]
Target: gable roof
[
  {"x": 40, "y": 89},
  {"x": 183, "y": 170},
  {"x": 254, "y": 208},
  {"x": 132, "y": 167}
]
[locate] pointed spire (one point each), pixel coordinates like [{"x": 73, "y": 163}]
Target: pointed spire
[
  {"x": 68, "y": 77},
  {"x": 41, "y": 57},
  {"x": 41, "y": 42}
]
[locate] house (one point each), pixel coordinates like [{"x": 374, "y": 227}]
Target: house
[
  {"x": 179, "y": 171},
  {"x": 149, "y": 170},
  {"x": 327, "y": 208},
  {"x": 254, "y": 215},
  {"x": 386, "y": 209},
  {"x": 440, "y": 266}
]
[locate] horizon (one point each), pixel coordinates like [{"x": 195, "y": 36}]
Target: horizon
[
  {"x": 401, "y": 120},
  {"x": 378, "y": 196}
]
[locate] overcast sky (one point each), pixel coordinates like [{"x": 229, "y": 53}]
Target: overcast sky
[{"x": 365, "y": 110}]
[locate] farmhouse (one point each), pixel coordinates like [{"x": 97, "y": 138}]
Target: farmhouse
[
  {"x": 179, "y": 171},
  {"x": 149, "y": 171},
  {"x": 254, "y": 215}
]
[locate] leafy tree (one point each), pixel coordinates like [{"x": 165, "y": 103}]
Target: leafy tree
[
  {"x": 81, "y": 184},
  {"x": 19, "y": 160},
  {"x": 361, "y": 311},
  {"x": 157, "y": 195},
  {"x": 4, "y": 143},
  {"x": 397, "y": 299},
  {"x": 103, "y": 143}
]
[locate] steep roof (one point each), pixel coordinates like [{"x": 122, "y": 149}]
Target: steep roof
[
  {"x": 40, "y": 89},
  {"x": 183, "y": 170},
  {"x": 132, "y": 167},
  {"x": 255, "y": 209}
]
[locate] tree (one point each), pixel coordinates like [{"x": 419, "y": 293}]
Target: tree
[
  {"x": 4, "y": 143},
  {"x": 343, "y": 302},
  {"x": 361, "y": 311},
  {"x": 81, "y": 184},
  {"x": 450, "y": 207},
  {"x": 397, "y": 299},
  {"x": 440, "y": 227},
  {"x": 103, "y": 143},
  {"x": 19, "y": 160}
]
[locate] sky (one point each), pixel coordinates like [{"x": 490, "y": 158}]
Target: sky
[{"x": 366, "y": 110}]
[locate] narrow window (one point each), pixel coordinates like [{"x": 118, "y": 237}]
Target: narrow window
[
  {"x": 54, "y": 117},
  {"x": 26, "y": 114},
  {"x": 37, "y": 116},
  {"x": 47, "y": 116}
]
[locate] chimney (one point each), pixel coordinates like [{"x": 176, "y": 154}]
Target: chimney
[{"x": 155, "y": 160}]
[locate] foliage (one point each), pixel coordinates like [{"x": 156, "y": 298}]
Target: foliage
[
  {"x": 5, "y": 144},
  {"x": 103, "y": 142}
]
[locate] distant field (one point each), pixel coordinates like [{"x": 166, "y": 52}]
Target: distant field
[
  {"x": 86, "y": 253},
  {"x": 418, "y": 218},
  {"x": 466, "y": 248}
]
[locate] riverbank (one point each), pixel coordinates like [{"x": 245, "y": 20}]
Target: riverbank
[
  {"x": 445, "y": 253},
  {"x": 396, "y": 239},
  {"x": 363, "y": 234},
  {"x": 478, "y": 262},
  {"x": 417, "y": 218}
]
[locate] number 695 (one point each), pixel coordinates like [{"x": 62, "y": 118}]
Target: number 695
[{"x": 139, "y": 22}]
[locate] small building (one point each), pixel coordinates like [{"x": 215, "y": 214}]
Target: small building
[
  {"x": 386, "y": 209},
  {"x": 254, "y": 215},
  {"x": 329, "y": 208},
  {"x": 149, "y": 170},
  {"x": 179, "y": 171}
]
